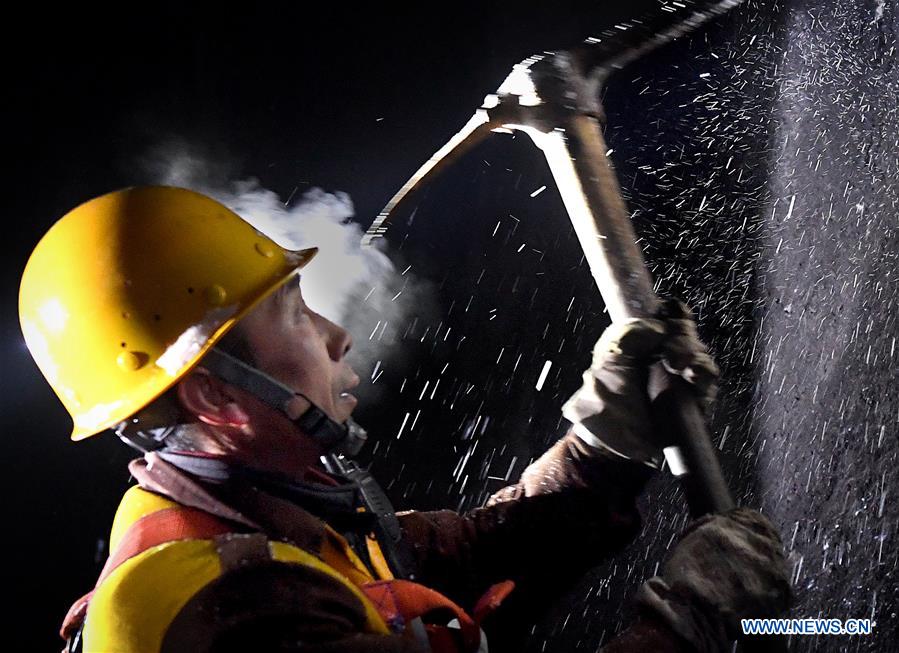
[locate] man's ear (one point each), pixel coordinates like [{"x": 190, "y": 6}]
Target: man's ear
[{"x": 207, "y": 398}]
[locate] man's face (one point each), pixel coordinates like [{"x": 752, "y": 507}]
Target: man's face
[{"x": 303, "y": 350}]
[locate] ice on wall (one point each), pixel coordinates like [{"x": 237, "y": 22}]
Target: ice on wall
[{"x": 760, "y": 159}]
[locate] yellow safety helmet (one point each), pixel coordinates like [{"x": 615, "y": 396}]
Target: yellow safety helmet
[{"x": 126, "y": 293}]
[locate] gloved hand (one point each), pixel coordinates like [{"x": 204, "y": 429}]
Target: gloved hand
[
  {"x": 611, "y": 409},
  {"x": 726, "y": 568}
]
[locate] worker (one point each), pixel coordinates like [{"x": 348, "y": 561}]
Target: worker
[{"x": 160, "y": 314}]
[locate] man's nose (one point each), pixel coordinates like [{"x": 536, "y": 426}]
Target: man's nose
[{"x": 338, "y": 339}]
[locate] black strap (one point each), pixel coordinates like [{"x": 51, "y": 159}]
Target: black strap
[
  {"x": 347, "y": 437},
  {"x": 387, "y": 527}
]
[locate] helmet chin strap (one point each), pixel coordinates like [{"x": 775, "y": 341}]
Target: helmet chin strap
[{"x": 333, "y": 437}]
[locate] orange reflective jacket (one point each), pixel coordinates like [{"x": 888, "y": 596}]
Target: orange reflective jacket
[{"x": 163, "y": 554}]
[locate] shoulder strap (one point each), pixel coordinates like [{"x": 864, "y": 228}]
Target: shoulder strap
[
  {"x": 167, "y": 525},
  {"x": 405, "y": 604},
  {"x": 387, "y": 527}
]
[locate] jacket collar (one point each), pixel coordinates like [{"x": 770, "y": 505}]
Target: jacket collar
[{"x": 280, "y": 509}]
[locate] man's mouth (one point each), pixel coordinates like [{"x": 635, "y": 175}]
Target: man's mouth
[
  {"x": 345, "y": 394},
  {"x": 347, "y": 402}
]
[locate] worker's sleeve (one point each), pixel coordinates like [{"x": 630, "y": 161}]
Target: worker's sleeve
[
  {"x": 276, "y": 607},
  {"x": 647, "y": 634},
  {"x": 572, "y": 508}
]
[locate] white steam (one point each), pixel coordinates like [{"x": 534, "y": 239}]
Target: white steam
[
  {"x": 342, "y": 268},
  {"x": 358, "y": 288}
]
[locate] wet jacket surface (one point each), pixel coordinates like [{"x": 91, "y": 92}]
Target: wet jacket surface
[{"x": 571, "y": 509}]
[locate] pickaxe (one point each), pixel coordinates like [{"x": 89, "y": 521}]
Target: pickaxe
[{"x": 553, "y": 98}]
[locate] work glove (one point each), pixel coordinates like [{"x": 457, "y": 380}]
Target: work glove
[
  {"x": 726, "y": 568},
  {"x": 611, "y": 409}
]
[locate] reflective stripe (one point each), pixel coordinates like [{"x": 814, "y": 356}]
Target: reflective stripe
[
  {"x": 377, "y": 559},
  {"x": 135, "y": 504}
]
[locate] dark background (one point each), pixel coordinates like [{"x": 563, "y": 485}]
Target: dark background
[{"x": 759, "y": 157}]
